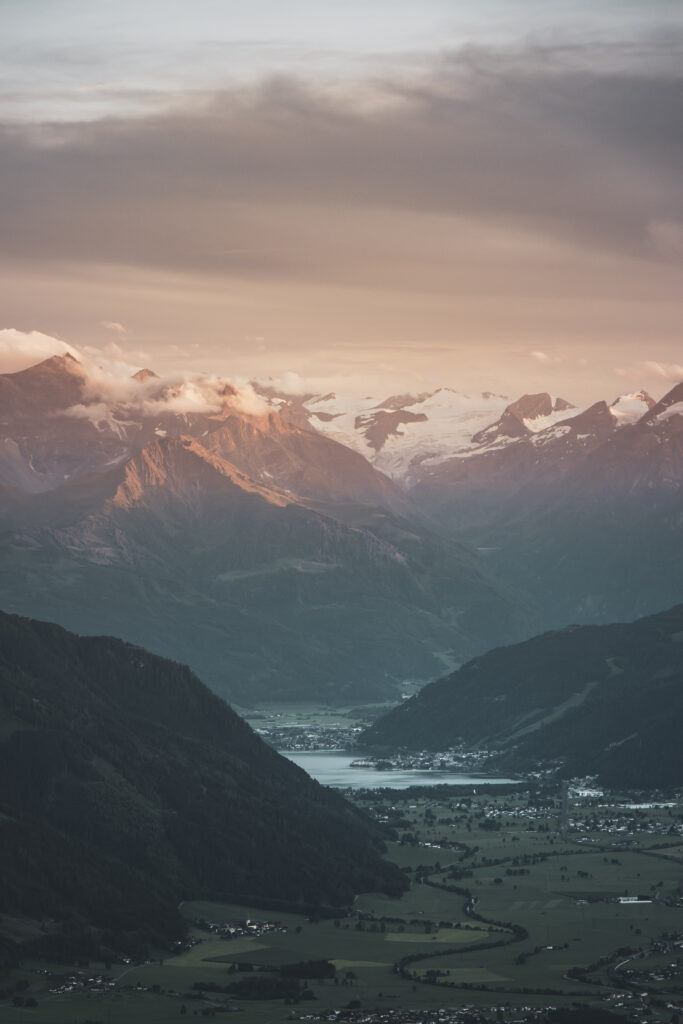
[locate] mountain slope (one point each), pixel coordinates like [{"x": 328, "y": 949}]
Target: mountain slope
[
  {"x": 605, "y": 699},
  {"x": 127, "y": 786},
  {"x": 310, "y": 465},
  {"x": 401, "y": 431},
  {"x": 61, "y": 420},
  {"x": 263, "y": 594},
  {"x": 584, "y": 517},
  {"x": 533, "y": 447}
]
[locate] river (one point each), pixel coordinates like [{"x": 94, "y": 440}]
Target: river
[{"x": 333, "y": 768}]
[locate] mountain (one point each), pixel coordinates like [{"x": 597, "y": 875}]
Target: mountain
[
  {"x": 583, "y": 516},
  {"x": 128, "y": 786},
  {"x": 275, "y": 451},
  {"x": 61, "y": 421},
  {"x": 529, "y": 415},
  {"x": 398, "y": 433},
  {"x": 604, "y": 700},
  {"x": 233, "y": 531},
  {"x": 39, "y": 447},
  {"x": 271, "y": 559},
  {"x": 429, "y": 442},
  {"x": 533, "y": 440}
]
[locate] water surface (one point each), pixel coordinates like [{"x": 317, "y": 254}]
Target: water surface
[{"x": 333, "y": 768}]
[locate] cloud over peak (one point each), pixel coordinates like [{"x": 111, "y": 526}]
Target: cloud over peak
[
  {"x": 20, "y": 349},
  {"x": 113, "y": 390}
]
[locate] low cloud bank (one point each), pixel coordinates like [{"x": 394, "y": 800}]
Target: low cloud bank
[{"x": 111, "y": 391}]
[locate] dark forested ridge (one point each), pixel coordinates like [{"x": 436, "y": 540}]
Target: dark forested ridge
[
  {"x": 128, "y": 786},
  {"x": 605, "y": 699}
]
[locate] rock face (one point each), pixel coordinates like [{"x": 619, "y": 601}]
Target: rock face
[
  {"x": 522, "y": 418},
  {"x": 127, "y": 786},
  {"x": 272, "y": 559},
  {"x": 598, "y": 699}
]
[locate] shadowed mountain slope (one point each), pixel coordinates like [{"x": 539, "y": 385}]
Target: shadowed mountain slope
[
  {"x": 264, "y": 593},
  {"x": 604, "y": 699},
  {"x": 583, "y": 517},
  {"x": 127, "y": 786}
]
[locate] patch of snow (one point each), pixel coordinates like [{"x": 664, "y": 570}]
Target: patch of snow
[
  {"x": 539, "y": 423},
  {"x": 674, "y": 410},
  {"x": 551, "y": 433},
  {"x": 629, "y": 408},
  {"x": 451, "y": 420}
]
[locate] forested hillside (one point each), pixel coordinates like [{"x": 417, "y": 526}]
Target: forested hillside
[
  {"x": 604, "y": 699},
  {"x": 128, "y": 786}
]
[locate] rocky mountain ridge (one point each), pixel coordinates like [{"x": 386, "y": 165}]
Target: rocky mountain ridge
[{"x": 410, "y": 437}]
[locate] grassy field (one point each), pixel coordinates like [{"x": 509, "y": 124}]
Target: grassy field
[{"x": 530, "y": 908}]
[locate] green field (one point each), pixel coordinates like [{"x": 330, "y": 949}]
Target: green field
[{"x": 530, "y": 909}]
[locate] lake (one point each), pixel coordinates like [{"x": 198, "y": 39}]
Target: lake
[{"x": 333, "y": 768}]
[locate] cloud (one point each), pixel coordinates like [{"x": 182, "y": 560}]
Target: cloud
[
  {"x": 278, "y": 180},
  {"x": 669, "y": 371},
  {"x": 347, "y": 381},
  {"x": 20, "y": 349},
  {"x": 110, "y": 391},
  {"x": 288, "y": 383},
  {"x": 652, "y": 373},
  {"x": 247, "y": 401},
  {"x": 114, "y": 355},
  {"x": 114, "y": 325},
  {"x": 111, "y": 394},
  {"x": 112, "y": 385},
  {"x": 493, "y": 201},
  {"x": 546, "y": 360},
  {"x": 666, "y": 238}
]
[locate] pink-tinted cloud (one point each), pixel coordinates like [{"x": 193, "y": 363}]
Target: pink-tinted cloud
[{"x": 20, "y": 349}]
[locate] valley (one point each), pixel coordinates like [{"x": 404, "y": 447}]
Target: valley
[
  {"x": 503, "y": 919},
  {"x": 341, "y": 512},
  {"x": 434, "y": 619}
]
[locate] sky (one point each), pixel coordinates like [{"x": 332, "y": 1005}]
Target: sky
[{"x": 384, "y": 195}]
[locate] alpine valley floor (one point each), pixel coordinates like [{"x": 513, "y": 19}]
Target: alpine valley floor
[{"x": 504, "y": 919}]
